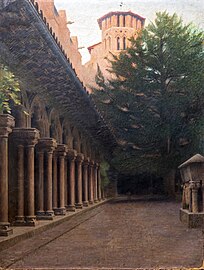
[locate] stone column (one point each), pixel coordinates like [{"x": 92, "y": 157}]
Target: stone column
[
  {"x": 65, "y": 184},
  {"x": 30, "y": 192},
  {"x": 103, "y": 194},
  {"x": 203, "y": 195},
  {"x": 85, "y": 182},
  {"x": 79, "y": 159},
  {"x": 90, "y": 182},
  {"x": 20, "y": 219},
  {"x": 95, "y": 182},
  {"x": 6, "y": 125},
  {"x": 54, "y": 182},
  {"x": 48, "y": 198},
  {"x": 45, "y": 148},
  {"x": 195, "y": 187},
  {"x": 40, "y": 184},
  {"x": 27, "y": 137},
  {"x": 99, "y": 183},
  {"x": 71, "y": 155},
  {"x": 184, "y": 196},
  {"x": 61, "y": 153}
]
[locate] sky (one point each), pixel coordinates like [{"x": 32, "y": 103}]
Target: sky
[{"x": 84, "y": 14}]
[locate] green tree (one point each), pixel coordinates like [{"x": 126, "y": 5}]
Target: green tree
[
  {"x": 9, "y": 89},
  {"x": 155, "y": 103}
]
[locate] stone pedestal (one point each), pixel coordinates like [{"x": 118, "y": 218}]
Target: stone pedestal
[
  {"x": 85, "y": 182},
  {"x": 45, "y": 148},
  {"x": 90, "y": 183},
  {"x": 61, "y": 153},
  {"x": 25, "y": 139},
  {"x": 71, "y": 155},
  {"x": 79, "y": 160},
  {"x": 6, "y": 125},
  {"x": 192, "y": 220}
]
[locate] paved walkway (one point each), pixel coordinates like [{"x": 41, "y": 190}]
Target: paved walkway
[{"x": 121, "y": 234}]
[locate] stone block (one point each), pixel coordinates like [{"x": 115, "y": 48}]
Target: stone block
[{"x": 192, "y": 220}]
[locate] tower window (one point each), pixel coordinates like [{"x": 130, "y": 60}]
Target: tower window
[
  {"x": 124, "y": 21},
  {"x": 124, "y": 43},
  {"x": 118, "y": 21},
  {"x": 118, "y": 43}
]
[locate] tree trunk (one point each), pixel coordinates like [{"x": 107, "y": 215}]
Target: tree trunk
[{"x": 169, "y": 183}]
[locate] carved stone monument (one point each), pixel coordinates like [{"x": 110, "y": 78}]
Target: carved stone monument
[{"x": 192, "y": 174}]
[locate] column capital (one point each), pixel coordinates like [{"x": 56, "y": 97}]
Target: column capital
[
  {"x": 79, "y": 157},
  {"x": 26, "y": 136},
  {"x": 61, "y": 150},
  {"x": 96, "y": 165},
  {"x": 91, "y": 163},
  {"x": 7, "y": 123},
  {"x": 46, "y": 145},
  {"x": 71, "y": 154},
  {"x": 86, "y": 161},
  {"x": 194, "y": 185}
]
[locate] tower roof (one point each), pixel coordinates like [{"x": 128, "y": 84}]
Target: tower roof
[{"x": 109, "y": 14}]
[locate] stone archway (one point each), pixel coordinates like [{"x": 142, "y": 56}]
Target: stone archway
[
  {"x": 39, "y": 116},
  {"x": 55, "y": 126}
]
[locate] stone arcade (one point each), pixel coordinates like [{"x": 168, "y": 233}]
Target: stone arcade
[{"x": 50, "y": 155}]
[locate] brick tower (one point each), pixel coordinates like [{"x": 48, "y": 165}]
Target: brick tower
[{"x": 117, "y": 28}]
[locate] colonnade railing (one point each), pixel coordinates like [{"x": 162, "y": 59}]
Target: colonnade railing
[{"x": 48, "y": 179}]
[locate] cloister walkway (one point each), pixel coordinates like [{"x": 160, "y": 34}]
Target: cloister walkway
[{"x": 119, "y": 234}]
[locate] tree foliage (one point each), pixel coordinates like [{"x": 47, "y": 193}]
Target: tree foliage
[
  {"x": 155, "y": 102},
  {"x": 9, "y": 89},
  {"x": 104, "y": 167}
]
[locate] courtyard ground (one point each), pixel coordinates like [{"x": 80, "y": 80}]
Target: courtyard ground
[{"x": 118, "y": 234}]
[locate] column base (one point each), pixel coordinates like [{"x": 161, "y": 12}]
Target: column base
[
  {"x": 71, "y": 208},
  {"x": 60, "y": 211},
  {"x": 96, "y": 201},
  {"x": 40, "y": 213},
  {"x": 5, "y": 230},
  {"x": 86, "y": 204},
  {"x": 91, "y": 202},
  {"x": 48, "y": 215},
  {"x": 19, "y": 221},
  {"x": 78, "y": 205},
  {"x": 31, "y": 221}
]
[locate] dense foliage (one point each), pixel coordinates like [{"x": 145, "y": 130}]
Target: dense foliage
[
  {"x": 9, "y": 89},
  {"x": 155, "y": 101},
  {"x": 104, "y": 167}
]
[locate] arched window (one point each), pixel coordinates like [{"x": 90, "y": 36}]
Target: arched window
[
  {"x": 124, "y": 21},
  {"x": 118, "y": 21},
  {"x": 124, "y": 43},
  {"x": 118, "y": 43},
  {"x": 109, "y": 43}
]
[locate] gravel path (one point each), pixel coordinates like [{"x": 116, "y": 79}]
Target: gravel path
[{"x": 121, "y": 234}]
